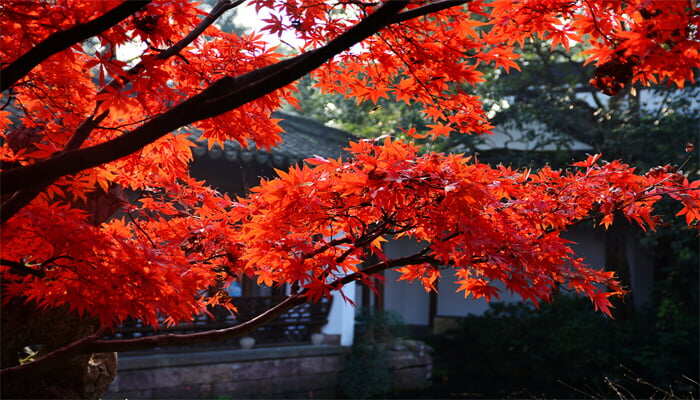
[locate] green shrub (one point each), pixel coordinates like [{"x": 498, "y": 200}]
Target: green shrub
[
  {"x": 564, "y": 349},
  {"x": 367, "y": 372}
]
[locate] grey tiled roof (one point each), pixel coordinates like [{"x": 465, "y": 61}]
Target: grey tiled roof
[{"x": 302, "y": 138}]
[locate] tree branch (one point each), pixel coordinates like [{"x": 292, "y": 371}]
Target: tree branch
[
  {"x": 332, "y": 243},
  {"x": 69, "y": 350},
  {"x": 99, "y": 346},
  {"x": 221, "y": 7},
  {"x": 24, "y": 196},
  {"x": 224, "y": 95},
  {"x": 417, "y": 258},
  {"x": 81, "y": 134},
  {"x": 427, "y": 9},
  {"x": 62, "y": 40},
  {"x": 17, "y": 201},
  {"x": 22, "y": 269},
  {"x": 92, "y": 344}
]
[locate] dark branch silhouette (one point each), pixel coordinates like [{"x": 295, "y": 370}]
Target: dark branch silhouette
[
  {"x": 427, "y": 9},
  {"x": 62, "y": 40}
]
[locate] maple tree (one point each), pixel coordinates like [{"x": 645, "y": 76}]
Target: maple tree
[{"x": 81, "y": 128}]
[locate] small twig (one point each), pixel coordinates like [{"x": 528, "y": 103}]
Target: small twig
[
  {"x": 119, "y": 127},
  {"x": 52, "y": 259},
  {"x": 24, "y": 196},
  {"x": 685, "y": 162},
  {"x": 662, "y": 106},
  {"x": 357, "y": 3},
  {"x": 611, "y": 43},
  {"x": 10, "y": 96},
  {"x": 427, "y": 9},
  {"x": 577, "y": 390},
  {"x": 417, "y": 258},
  {"x": 689, "y": 379},
  {"x": 140, "y": 228},
  {"x": 209, "y": 258},
  {"x": 327, "y": 246}
]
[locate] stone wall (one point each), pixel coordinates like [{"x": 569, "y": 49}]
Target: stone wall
[
  {"x": 411, "y": 365},
  {"x": 292, "y": 371},
  {"x": 276, "y": 372}
]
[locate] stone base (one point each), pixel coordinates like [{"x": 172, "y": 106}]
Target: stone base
[
  {"x": 279, "y": 372},
  {"x": 411, "y": 365},
  {"x": 276, "y": 372}
]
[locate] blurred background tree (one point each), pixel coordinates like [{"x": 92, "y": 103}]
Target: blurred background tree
[{"x": 387, "y": 117}]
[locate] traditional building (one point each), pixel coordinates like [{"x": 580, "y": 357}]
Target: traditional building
[{"x": 287, "y": 364}]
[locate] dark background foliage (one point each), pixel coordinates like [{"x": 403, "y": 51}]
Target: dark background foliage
[{"x": 567, "y": 350}]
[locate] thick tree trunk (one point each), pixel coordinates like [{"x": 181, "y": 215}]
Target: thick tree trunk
[{"x": 82, "y": 377}]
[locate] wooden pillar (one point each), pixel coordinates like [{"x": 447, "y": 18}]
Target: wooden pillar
[
  {"x": 433, "y": 305},
  {"x": 616, "y": 259}
]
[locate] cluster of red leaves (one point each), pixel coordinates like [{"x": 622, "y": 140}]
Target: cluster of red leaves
[
  {"x": 312, "y": 225},
  {"x": 430, "y": 62},
  {"x": 426, "y": 61},
  {"x": 489, "y": 224},
  {"x": 177, "y": 237},
  {"x": 154, "y": 260},
  {"x": 630, "y": 41}
]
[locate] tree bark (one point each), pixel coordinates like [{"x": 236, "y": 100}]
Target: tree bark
[{"x": 85, "y": 376}]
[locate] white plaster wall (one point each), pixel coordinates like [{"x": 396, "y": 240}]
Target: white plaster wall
[
  {"x": 410, "y": 300},
  {"x": 453, "y": 304},
  {"x": 341, "y": 318},
  {"x": 589, "y": 244},
  {"x": 641, "y": 273}
]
